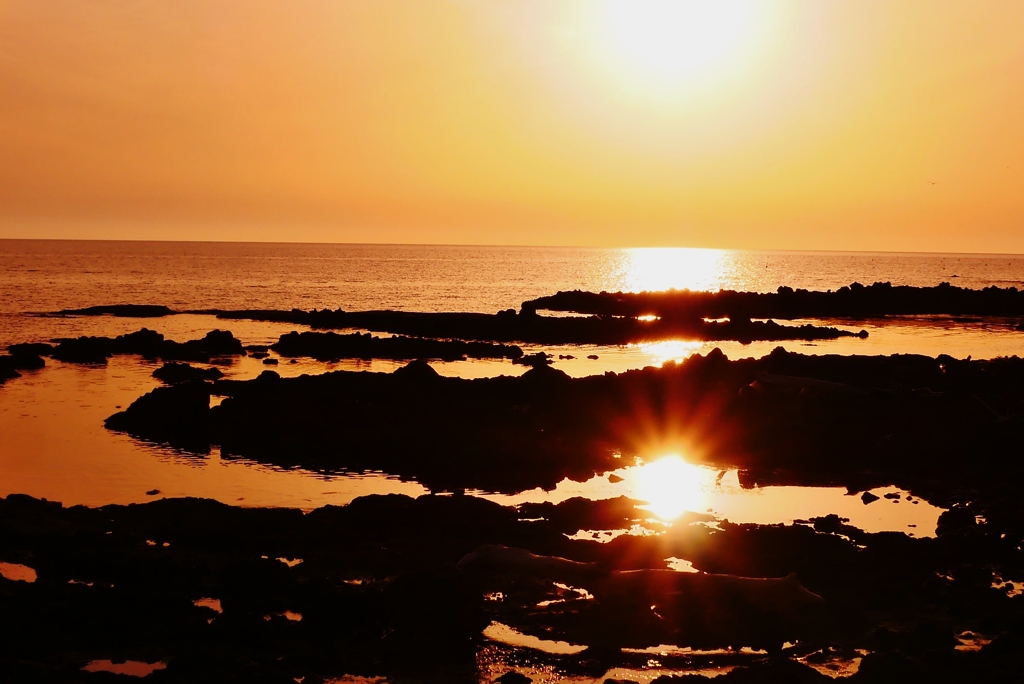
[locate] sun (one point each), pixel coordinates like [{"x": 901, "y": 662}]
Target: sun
[
  {"x": 675, "y": 41},
  {"x": 670, "y": 486}
]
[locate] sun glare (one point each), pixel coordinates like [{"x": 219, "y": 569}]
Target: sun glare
[
  {"x": 670, "y": 486},
  {"x": 671, "y": 41},
  {"x": 670, "y": 350},
  {"x": 664, "y": 268}
]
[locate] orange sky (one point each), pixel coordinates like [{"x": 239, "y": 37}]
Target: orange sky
[{"x": 814, "y": 125}]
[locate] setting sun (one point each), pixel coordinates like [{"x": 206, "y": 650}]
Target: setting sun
[{"x": 674, "y": 40}]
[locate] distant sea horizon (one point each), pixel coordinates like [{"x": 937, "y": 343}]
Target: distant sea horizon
[{"x": 766, "y": 250}]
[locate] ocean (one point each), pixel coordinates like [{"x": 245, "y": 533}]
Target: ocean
[
  {"x": 53, "y": 444},
  {"x": 40, "y": 275}
]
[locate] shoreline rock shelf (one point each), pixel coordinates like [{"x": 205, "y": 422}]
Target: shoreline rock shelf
[
  {"x": 859, "y": 421},
  {"x": 853, "y": 301},
  {"x": 527, "y": 327},
  {"x": 328, "y": 346},
  {"x": 403, "y": 588}
]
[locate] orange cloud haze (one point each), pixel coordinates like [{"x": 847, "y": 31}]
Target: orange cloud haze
[{"x": 847, "y": 124}]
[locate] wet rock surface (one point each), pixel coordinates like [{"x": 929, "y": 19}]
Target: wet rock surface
[
  {"x": 527, "y": 327},
  {"x": 854, "y": 421},
  {"x": 174, "y": 373},
  {"x": 402, "y": 588},
  {"x": 329, "y": 346},
  {"x": 393, "y": 586},
  {"x": 121, "y": 311},
  {"x": 21, "y": 357},
  {"x": 854, "y": 301},
  {"x": 148, "y": 344}
]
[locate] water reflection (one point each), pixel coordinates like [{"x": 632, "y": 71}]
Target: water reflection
[
  {"x": 670, "y": 350},
  {"x": 666, "y": 268},
  {"x": 670, "y": 486},
  {"x": 83, "y": 463}
]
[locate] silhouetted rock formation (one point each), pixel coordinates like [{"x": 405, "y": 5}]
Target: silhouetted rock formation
[
  {"x": 507, "y": 326},
  {"x": 402, "y": 588},
  {"x": 149, "y": 344},
  {"x": 854, "y": 301},
  {"x": 21, "y": 357},
  {"x": 858, "y": 421},
  {"x": 176, "y": 373},
  {"x": 330, "y": 346},
  {"x": 177, "y": 413},
  {"x": 122, "y": 311}
]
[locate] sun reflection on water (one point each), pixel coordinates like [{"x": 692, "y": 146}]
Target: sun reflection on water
[
  {"x": 671, "y": 350},
  {"x": 665, "y": 268},
  {"x": 671, "y": 486}
]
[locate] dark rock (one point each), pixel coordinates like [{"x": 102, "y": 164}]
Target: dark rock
[
  {"x": 149, "y": 344},
  {"x": 30, "y": 349},
  {"x": 856, "y": 301},
  {"x": 87, "y": 350},
  {"x": 176, "y": 414},
  {"x": 270, "y": 362},
  {"x": 176, "y": 373},
  {"x": 512, "y": 677},
  {"x": 525, "y": 327},
  {"x": 330, "y": 346},
  {"x": 122, "y": 311},
  {"x": 868, "y": 497},
  {"x": 418, "y": 371},
  {"x": 536, "y": 360}
]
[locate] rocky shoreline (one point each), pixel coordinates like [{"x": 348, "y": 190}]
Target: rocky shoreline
[{"x": 405, "y": 588}]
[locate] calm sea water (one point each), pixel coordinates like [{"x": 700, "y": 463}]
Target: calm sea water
[
  {"x": 52, "y": 442},
  {"x": 39, "y": 276}
]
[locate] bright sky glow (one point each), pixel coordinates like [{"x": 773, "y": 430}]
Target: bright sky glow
[
  {"x": 737, "y": 124},
  {"x": 672, "y": 41}
]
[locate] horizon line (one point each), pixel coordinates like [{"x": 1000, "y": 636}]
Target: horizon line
[{"x": 511, "y": 246}]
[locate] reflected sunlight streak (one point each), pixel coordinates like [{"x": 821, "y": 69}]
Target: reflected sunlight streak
[
  {"x": 665, "y": 268},
  {"x": 671, "y": 486},
  {"x": 671, "y": 350}
]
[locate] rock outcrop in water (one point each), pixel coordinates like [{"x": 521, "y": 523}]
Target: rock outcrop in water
[
  {"x": 854, "y": 301},
  {"x": 851, "y": 420},
  {"x": 20, "y": 357},
  {"x": 148, "y": 344},
  {"x": 174, "y": 373},
  {"x": 329, "y": 346},
  {"x": 121, "y": 311},
  {"x": 527, "y": 327}
]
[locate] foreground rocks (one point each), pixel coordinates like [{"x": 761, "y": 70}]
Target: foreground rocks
[{"x": 395, "y": 587}]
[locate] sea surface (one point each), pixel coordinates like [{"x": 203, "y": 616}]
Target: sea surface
[
  {"x": 53, "y": 444},
  {"x": 38, "y": 275}
]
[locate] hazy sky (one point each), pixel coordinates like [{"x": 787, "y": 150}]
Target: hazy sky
[{"x": 818, "y": 124}]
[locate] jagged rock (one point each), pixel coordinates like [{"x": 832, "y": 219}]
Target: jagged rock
[{"x": 175, "y": 373}]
